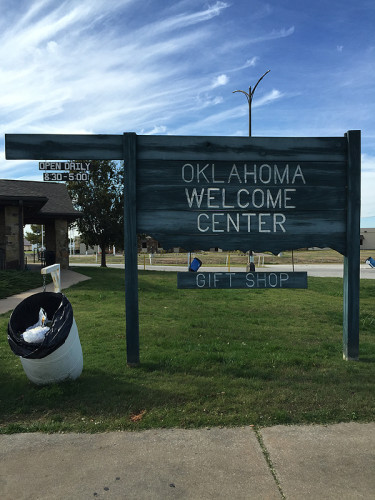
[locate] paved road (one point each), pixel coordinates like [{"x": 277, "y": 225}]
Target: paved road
[{"x": 322, "y": 270}]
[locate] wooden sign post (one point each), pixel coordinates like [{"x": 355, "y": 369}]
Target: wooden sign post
[{"x": 268, "y": 194}]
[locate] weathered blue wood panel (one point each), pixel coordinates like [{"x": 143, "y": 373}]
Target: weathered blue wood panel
[
  {"x": 63, "y": 147},
  {"x": 233, "y": 198},
  {"x": 246, "y": 173},
  {"x": 242, "y": 222},
  {"x": 242, "y": 230},
  {"x": 238, "y": 193},
  {"x": 103, "y": 147},
  {"x": 241, "y": 148},
  {"x": 352, "y": 256},
  {"x": 271, "y": 243},
  {"x": 247, "y": 281},
  {"x": 131, "y": 248}
]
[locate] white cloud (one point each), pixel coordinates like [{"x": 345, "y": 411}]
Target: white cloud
[
  {"x": 214, "y": 120},
  {"x": 93, "y": 76},
  {"x": 250, "y": 62},
  {"x": 220, "y": 80},
  {"x": 217, "y": 100},
  {"x": 157, "y": 129},
  {"x": 52, "y": 46},
  {"x": 266, "y": 99},
  {"x": 273, "y": 35},
  {"x": 184, "y": 20}
]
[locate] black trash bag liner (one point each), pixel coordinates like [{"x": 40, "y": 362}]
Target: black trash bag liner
[{"x": 26, "y": 314}]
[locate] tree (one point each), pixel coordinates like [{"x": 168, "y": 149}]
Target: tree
[
  {"x": 35, "y": 236},
  {"x": 101, "y": 201}
]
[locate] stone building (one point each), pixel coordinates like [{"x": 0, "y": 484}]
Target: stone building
[
  {"x": 30, "y": 202},
  {"x": 146, "y": 244},
  {"x": 368, "y": 238}
]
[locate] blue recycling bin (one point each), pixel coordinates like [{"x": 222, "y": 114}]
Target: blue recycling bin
[
  {"x": 195, "y": 265},
  {"x": 371, "y": 262}
]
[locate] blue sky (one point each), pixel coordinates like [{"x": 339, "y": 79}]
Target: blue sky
[{"x": 170, "y": 67}]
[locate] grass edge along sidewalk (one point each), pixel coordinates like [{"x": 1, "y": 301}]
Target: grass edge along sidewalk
[
  {"x": 13, "y": 282},
  {"x": 208, "y": 358}
]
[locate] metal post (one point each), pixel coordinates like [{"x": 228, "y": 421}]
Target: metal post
[
  {"x": 249, "y": 97},
  {"x": 21, "y": 247},
  {"x": 293, "y": 260}
]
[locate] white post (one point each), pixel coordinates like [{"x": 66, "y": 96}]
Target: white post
[{"x": 54, "y": 270}]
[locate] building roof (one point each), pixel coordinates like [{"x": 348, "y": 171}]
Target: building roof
[{"x": 41, "y": 200}]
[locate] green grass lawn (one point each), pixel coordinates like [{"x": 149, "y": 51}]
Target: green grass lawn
[
  {"x": 208, "y": 358},
  {"x": 13, "y": 282}
]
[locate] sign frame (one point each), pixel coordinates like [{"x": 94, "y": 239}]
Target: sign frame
[{"x": 130, "y": 147}]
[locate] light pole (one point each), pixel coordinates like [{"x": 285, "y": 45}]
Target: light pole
[{"x": 249, "y": 97}]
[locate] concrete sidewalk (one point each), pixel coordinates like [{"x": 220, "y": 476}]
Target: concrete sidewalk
[
  {"x": 292, "y": 462},
  {"x": 67, "y": 277}
]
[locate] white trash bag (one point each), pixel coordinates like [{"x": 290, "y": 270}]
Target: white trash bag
[{"x": 35, "y": 334}]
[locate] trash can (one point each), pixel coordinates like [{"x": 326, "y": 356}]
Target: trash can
[
  {"x": 195, "y": 265},
  {"x": 59, "y": 356}
]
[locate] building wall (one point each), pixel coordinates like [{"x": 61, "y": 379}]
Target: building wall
[
  {"x": 56, "y": 240},
  {"x": 62, "y": 243},
  {"x": 9, "y": 236},
  {"x": 2, "y": 228},
  {"x": 368, "y": 241},
  {"x": 2, "y": 238},
  {"x": 147, "y": 244},
  {"x": 49, "y": 236},
  {"x": 85, "y": 250}
]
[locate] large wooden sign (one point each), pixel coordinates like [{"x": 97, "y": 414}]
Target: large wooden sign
[
  {"x": 230, "y": 192},
  {"x": 239, "y": 193}
]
